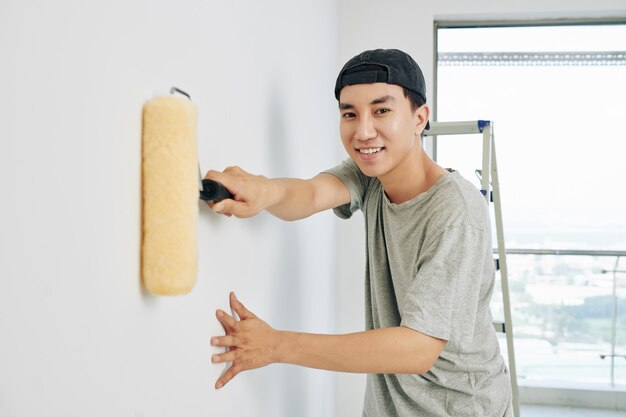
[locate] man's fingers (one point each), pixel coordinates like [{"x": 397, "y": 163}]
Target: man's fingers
[
  {"x": 227, "y": 376},
  {"x": 230, "y": 207},
  {"x": 235, "y": 170},
  {"x": 225, "y": 341},
  {"x": 227, "y": 321},
  {"x": 217, "y": 176},
  {"x": 227, "y": 180},
  {"x": 239, "y": 308},
  {"x": 224, "y": 357},
  {"x": 224, "y": 207}
]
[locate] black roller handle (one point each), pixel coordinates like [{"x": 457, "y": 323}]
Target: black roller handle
[{"x": 213, "y": 191}]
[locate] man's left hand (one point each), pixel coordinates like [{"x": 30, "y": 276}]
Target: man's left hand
[{"x": 251, "y": 342}]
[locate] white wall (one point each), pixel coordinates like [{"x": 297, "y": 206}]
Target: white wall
[
  {"x": 78, "y": 334},
  {"x": 408, "y": 25}
]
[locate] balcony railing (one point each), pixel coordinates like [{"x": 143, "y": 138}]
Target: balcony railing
[{"x": 569, "y": 315}]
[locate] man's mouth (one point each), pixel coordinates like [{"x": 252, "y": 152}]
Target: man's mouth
[{"x": 369, "y": 151}]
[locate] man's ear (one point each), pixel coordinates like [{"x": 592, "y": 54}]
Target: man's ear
[{"x": 423, "y": 114}]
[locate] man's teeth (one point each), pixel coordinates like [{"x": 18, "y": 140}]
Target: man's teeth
[{"x": 370, "y": 150}]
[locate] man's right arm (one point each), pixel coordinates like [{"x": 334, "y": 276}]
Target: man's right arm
[{"x": 285, "y": 198}]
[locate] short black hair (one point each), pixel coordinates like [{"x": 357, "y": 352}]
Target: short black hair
[{"x": 415, "y": 99}]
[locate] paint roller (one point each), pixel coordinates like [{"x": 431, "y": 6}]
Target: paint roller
[{"x": 170, "y": 188}]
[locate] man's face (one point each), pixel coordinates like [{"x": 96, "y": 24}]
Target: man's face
[{"x": 378, "y": 128}]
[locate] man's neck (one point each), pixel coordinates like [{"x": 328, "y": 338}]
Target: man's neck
[{"x": 416, "y": 174}]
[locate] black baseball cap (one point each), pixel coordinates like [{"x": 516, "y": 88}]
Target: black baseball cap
[{"x": 390, "y": 66}]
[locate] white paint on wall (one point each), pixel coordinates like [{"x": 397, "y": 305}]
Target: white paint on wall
[{"x": 78, "y": 334}]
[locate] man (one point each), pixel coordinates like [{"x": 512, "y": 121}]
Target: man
[{"x": 429, "y": 348}]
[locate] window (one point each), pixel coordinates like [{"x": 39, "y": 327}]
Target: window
[{"x": 556, "y": 97}]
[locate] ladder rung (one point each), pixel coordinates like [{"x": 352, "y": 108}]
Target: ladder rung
[{"x": 499, "y": 326}]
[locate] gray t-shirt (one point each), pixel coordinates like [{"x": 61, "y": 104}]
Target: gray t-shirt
[{"x": 430, "y": 268}]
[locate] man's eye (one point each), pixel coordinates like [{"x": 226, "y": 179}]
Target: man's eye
[
  {"x": 382, "y": 111},
  {"x": 347, "y": 115}
]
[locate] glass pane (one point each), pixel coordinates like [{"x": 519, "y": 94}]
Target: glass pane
[
  {"x": 560, "y": 139},
  {"x": 562, "y": 315},
  {"x": 620, "y": 345},
  {"x": 561, "y": 153},
  {"x": 533, "y": 39},
  {"x": 560, "y": 150}
]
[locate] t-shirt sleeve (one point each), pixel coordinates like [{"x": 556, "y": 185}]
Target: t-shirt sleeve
[
  {"x": 443, "y": 298},
  {"x": 349, "y": 173}
]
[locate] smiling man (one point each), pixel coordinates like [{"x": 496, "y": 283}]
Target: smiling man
[{"x": 429, "y": 348}]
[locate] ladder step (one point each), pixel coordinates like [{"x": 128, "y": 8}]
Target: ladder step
[{"x": 499, "y": 326}]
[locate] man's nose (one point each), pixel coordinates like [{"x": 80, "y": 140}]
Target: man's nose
[{"x": 365, "y": 129}]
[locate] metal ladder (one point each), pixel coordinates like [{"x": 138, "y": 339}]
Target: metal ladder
[{"x": 490, "y": 188}]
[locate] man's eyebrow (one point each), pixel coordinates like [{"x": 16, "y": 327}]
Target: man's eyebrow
[
  {"x": 380, "y": 100},
  {"x": 383, "y": 99}
]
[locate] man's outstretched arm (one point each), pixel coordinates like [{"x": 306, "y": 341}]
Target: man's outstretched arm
[
  {"x": 254, "y": 344},
  {"x": 285, "y": 198}
]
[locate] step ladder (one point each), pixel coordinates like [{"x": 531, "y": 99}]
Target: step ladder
[{"x": 490, "y": 188}]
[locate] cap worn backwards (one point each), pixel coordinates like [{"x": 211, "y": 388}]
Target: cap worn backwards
[{"x": 390, "y": 66}]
